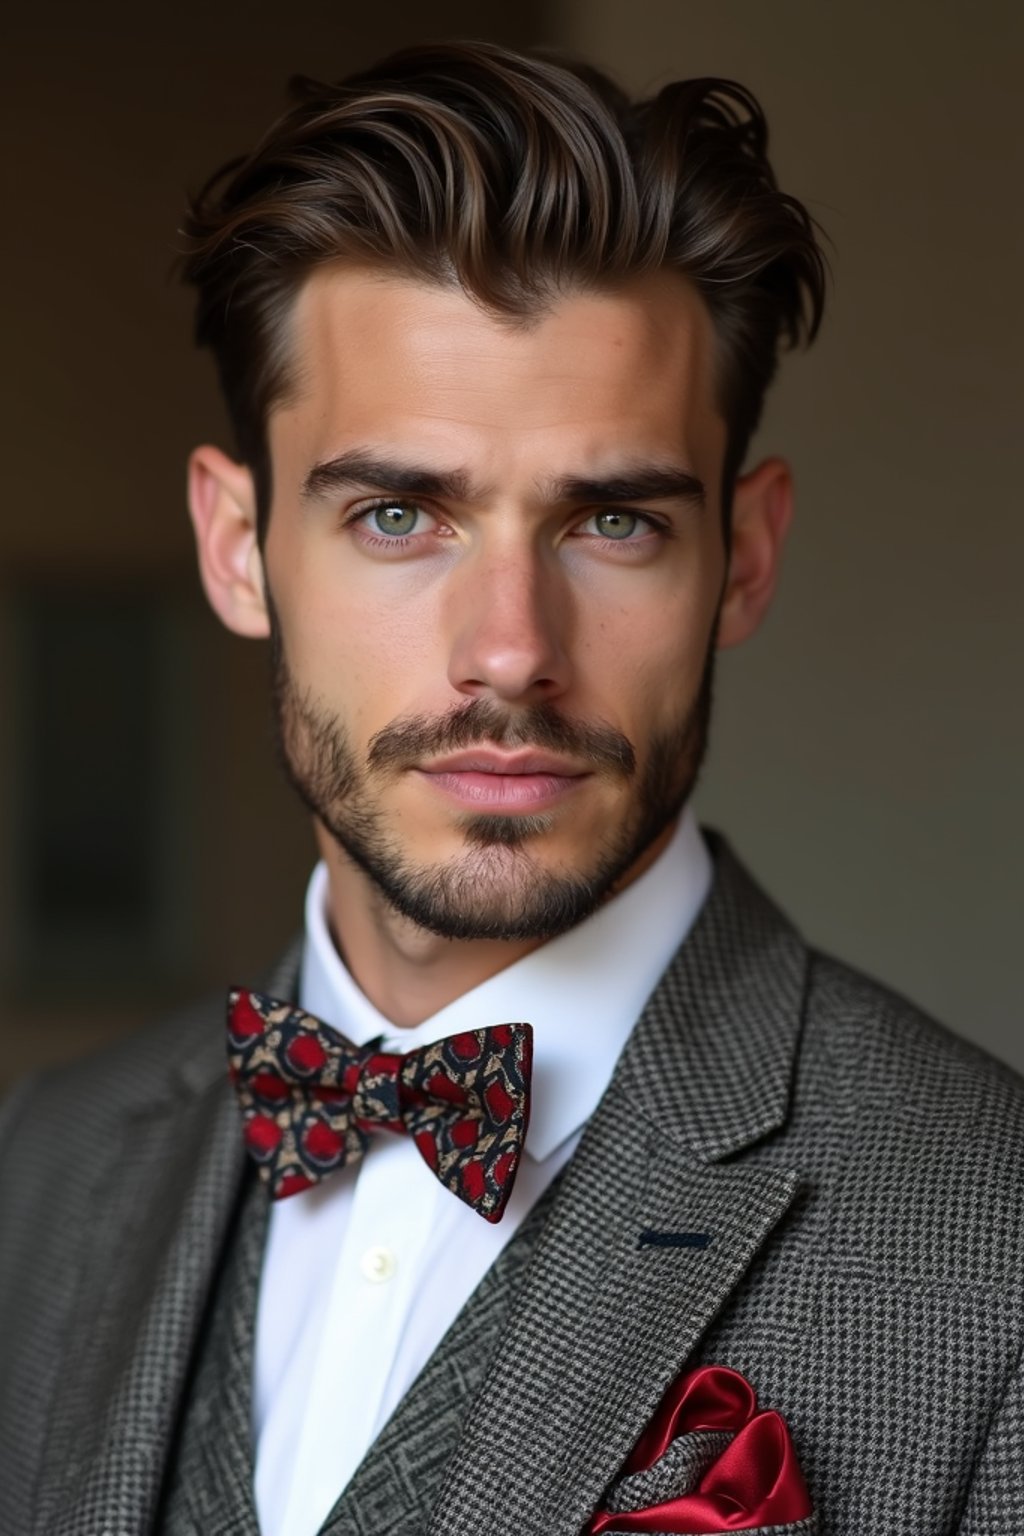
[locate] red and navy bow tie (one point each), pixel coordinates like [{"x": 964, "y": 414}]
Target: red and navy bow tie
[{"x": 310, "y": 1100}]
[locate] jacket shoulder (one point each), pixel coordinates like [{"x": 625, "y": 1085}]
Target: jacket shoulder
[
  {"x": 900, "y": 1048},
  {"x": 926, "y": 1131},
  {"x": 131, "y": 1071},
  {"x": 58, "y": 1127},
  {"x": 183, "y": 1052}
]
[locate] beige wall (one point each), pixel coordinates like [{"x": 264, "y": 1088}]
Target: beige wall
[{"x": 868, "y": 753}]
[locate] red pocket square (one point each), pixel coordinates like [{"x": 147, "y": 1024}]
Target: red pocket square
[{"x": 755, "y": 1481}]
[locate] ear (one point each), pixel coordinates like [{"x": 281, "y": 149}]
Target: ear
[
  {"x": 762, "y": 510},
  {"x": 222, "y": 503}
]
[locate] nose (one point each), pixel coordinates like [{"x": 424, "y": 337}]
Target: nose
[{"x": 510, "y": 617}]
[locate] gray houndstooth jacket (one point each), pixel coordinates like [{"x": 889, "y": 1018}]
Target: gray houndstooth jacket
[{"x": 859, "y": 1174}]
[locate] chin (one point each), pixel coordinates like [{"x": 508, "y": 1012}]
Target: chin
[{"x": 502, "y": 831}]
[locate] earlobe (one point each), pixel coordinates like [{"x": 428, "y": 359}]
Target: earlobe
[
  {"x": 762, "y": 510},
  {"x": 222, "y": 504}
]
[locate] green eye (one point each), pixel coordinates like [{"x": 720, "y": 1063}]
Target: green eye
[
  {"x": 616, "y": 525},
  {"x": 394, "y": 519}
]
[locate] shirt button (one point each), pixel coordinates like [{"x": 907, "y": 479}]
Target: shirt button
[{"x": 378, "y": 1264}]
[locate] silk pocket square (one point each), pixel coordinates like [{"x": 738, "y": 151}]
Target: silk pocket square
[{"x": 709, "y": 1461}]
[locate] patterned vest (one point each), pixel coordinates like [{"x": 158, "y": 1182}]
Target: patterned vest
[{"x": 209, "y": 1488}]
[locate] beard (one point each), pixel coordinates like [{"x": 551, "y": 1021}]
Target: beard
[{"x": 496, "y": 888}]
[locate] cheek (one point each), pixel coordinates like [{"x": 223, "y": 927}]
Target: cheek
[
  {"x": 362, "y": 646},
  {"x": 667, "y": 680},
  {"x": 645, "y": 663}
]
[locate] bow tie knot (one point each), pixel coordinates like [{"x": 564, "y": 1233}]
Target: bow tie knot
[{"x": 311, "y": 1099}]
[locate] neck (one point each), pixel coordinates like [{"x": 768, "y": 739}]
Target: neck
[{"x": 407, "y": 972}]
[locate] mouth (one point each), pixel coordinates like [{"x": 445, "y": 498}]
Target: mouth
[{"x": 487, "y": 779}]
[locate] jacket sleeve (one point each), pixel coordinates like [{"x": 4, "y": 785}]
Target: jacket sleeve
[{"x": 995, "y": 1502}]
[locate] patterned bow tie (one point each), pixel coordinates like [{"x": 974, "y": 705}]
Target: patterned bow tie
[{"x": 310, "y": 1100}]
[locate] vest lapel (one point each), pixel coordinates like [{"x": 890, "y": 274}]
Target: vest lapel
[
  {"x": 648, "y": 1235},
  {"x": 210, "y": 1488}
]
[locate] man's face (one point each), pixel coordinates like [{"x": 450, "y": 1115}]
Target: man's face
[{"x": 494, "y": 559}]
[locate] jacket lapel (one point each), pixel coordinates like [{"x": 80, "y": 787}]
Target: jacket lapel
[
  {"x": 162, "y": 1201},
  {"x": 650, "y": 1231},
  {"x": 209, "y": 1487}
]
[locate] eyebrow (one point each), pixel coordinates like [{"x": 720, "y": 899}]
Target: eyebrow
[
  {"x": 361, "y": 469},
  {"x": 643, "y": 482},
  {"x": 364, "y": 469}
]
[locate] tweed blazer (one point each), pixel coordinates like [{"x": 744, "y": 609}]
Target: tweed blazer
[{"x": 855, "y": 1172}]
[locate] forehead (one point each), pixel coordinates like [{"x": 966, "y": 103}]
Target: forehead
[{"x": 385, "y": 360}]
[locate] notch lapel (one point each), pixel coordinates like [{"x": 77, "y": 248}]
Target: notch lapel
[
  {"x": 649, "y": 1233},
  {"x": 210, "y": 1483}
]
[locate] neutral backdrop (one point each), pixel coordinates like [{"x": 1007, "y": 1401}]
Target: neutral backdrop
[{"x": 868, "y": 747}]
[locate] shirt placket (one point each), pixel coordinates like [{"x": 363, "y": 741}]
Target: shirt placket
[{"x": 371, "y": 1296}]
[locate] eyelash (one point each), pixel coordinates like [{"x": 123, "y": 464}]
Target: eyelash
[{"x": 653, "y": 523}]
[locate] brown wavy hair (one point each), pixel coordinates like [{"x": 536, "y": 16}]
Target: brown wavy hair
[{"x": 519, "y": 177}]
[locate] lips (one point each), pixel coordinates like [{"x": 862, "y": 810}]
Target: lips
[
  {"x": 486, "y": 779},
  {"x": 488, "y": 760}
]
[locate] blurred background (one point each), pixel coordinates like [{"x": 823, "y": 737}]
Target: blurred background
[{"x": 868, "y": 751}]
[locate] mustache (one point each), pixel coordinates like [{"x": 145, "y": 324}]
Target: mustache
[{"x": 411, "y": 738}]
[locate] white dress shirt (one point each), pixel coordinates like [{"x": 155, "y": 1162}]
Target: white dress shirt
[{"x": 363, "y": 1275}]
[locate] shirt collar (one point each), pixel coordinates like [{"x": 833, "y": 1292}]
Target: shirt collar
[{"x": 582, "y": 991}]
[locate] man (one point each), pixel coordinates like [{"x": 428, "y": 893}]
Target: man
[{"x": 494, "y": 341}]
